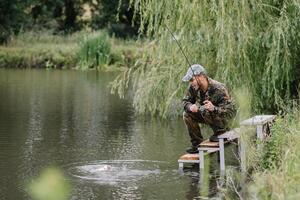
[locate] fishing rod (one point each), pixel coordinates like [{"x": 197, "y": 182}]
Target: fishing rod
[
  {"x": 177, "y": 42},
  {"x": 190, "y": 66}
]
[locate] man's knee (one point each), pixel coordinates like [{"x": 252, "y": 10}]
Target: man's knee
[
  {"x": 193, "y": 117},
  {"x": 220, "y": 121},
  {"x": 186, "y": 116}
]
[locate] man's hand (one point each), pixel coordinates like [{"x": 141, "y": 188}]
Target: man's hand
[
  {"x": 194, "y": 108},
  {"x": 209, "y": 106}
]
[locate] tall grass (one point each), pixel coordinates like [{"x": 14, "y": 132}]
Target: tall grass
[
  {"x": 94, "y": 51},
  {"x": 278, "y": 177},
  {"x": 240, "y": 42}
]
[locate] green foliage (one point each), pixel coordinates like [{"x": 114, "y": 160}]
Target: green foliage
[
  {"x": 252, "y": 43},
  {"x": 279, "y": 177},
  {"x": 66, "y": 16},
  {"x": 116, "y": 16},
  {"x": 94, "y": 51},
  {"x": 274, "y": 147},
  {"x": 50, "y": 185},
  {"x": 12, "y": 17}
]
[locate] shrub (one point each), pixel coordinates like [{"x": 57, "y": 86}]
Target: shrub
[{"x": 94, "y": 51}]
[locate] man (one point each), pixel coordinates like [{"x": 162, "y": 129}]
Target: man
[{"x": 206, "y": 101}]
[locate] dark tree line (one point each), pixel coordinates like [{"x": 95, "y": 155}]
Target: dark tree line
[{"x": 65, "y": 16}]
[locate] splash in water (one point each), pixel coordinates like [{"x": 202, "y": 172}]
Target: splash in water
[{"x": 116, "y": 171}]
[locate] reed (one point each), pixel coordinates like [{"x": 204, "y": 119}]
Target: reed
[
  {"x": 251, "y": 43},
  {"x": 94, "y": 51}
]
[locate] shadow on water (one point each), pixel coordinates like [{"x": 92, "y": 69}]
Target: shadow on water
[{"x": 70, "y": 120}]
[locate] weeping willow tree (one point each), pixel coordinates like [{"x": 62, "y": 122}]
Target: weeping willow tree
[{"x": 249, "y": 43}]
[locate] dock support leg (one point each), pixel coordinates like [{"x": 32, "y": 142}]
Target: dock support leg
[
  {"x": 260, "y": 136},
  {"x": 222, "y": 155},
  {"x": 242, "y": 154},
  {"x": 259, "y": 132},
  {"x": 180, "y": 165},
  {"x": 201, "y": 159}
]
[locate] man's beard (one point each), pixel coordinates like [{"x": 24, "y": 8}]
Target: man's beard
[{"x": 196, "y": 87}]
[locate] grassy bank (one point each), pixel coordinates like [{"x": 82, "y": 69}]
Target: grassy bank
[
  {"x": 45, "y": 50},
  {"x": 274, "y": 168},
  {"x": 40, "y": 50},
  {"x": 278, "y": 174}
]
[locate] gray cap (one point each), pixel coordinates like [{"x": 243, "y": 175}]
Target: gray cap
[{"x": 194, "y": 69}]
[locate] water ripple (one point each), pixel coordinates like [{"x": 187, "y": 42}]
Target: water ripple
[{"x": 115, "y": 171}]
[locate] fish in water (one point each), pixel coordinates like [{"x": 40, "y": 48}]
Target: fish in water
[{"x": 103, "y": 168}]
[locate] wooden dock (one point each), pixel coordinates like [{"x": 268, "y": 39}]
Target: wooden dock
[{"x": 207, "y": 147}]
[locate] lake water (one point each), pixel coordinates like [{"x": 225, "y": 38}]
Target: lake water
[{"x": 69, "y": 120}]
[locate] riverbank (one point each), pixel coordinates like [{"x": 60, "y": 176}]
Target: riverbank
[
  {"x": 273, "y": 168},
  {"x": 45, "y": 50}
]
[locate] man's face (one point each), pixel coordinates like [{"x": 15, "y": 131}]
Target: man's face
[{"x": 194, "y": 82}]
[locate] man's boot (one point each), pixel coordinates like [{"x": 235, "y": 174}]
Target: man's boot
[
  {"x": 192, "y": 150},
  {"x": 214, "y": 137}
]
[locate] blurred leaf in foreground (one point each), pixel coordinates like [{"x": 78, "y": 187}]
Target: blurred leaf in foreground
[{"x": 50, "y": 185}]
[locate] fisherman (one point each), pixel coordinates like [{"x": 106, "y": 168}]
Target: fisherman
[{"x": 206, "y": 101}]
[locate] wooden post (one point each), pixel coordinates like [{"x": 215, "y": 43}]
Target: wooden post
[
  {"x": 222, "y": 154},
  {"x": 242, "y": 154},
  {"x": 180, "y": 165},
  {"x": 259, "y": 132},
  {"x": 201, "y": 159}
]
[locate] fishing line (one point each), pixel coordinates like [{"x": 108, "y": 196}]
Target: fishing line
[
  {"x": 187, "y": 60},
  {"x": 190, "y": 66}
]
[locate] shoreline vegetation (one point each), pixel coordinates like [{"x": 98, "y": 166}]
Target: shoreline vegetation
[
  {"x": 273, "y": 170},
  {"x": 80, "y": 50},
  {"x": 278, "y": 176}
]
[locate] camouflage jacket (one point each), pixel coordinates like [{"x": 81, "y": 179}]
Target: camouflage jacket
[{"x": 216, "y": 93}]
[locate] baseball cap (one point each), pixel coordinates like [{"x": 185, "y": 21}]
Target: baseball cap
[{"x": 193, "y": 70}]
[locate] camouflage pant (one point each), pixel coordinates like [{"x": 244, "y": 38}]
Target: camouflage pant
[{"x": 192, "y": 120}]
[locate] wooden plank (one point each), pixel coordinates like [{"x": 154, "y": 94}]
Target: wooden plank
[
  {"x": 188, "y": 156},
  {"x": 207, "y": 143},
  {"x": 209, "y": 149},
  {"x": 230, "y": 135},
  {"x": 195, "y": 156},
  {"x": 212, "y": 150},
  {"x": 258, "y": 120}
]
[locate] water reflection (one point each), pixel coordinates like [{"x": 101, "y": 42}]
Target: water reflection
[{"x": 204, "y": 183}]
